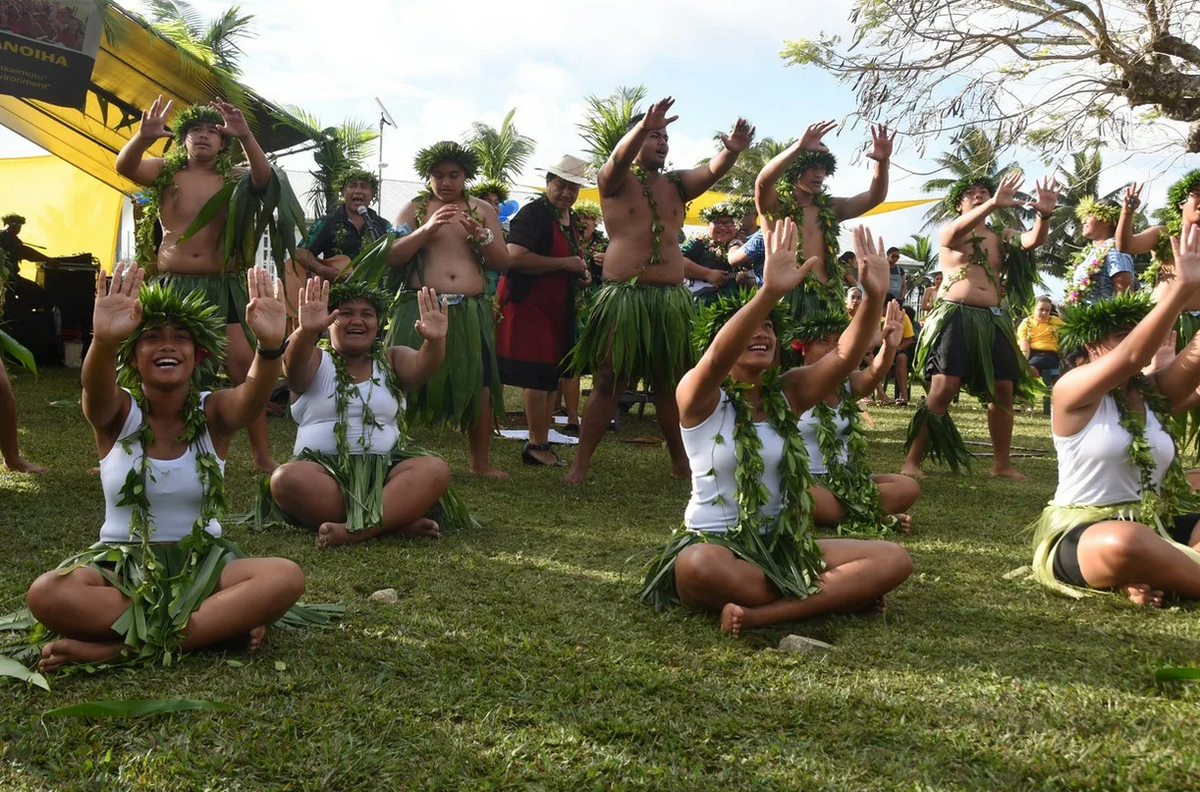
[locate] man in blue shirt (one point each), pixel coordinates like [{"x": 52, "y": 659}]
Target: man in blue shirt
[
  {"x": 750, "y": 255},
  {"x": 1102, "y": 270}
]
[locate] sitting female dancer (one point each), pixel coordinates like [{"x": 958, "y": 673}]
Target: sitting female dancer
[
  {"x": 746, "y": 548},
  {"x": 848, "y": 496},
  {"x": 354, "y": 476},
  {"x": 1123, "y": 517},
  {"x": 162, "y": 580}
]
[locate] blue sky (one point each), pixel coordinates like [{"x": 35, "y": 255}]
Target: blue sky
[{"x": 438, "y": 67}]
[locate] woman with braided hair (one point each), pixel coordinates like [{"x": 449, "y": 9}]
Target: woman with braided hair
[
  {"x": 848, "y": 496},
  {"x": 1124, "y": 518},
  {"x": 355, "y": 475},
  {"x": 162, "y": 580},
  {"x": 746, "y": 548}
]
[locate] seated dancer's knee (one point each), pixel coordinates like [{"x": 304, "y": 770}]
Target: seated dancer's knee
[
  {"x": 698, "y": 565},
  {"x": 48, "y": 594}
]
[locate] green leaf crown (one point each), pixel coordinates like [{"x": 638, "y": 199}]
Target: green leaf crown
[
  {"x": 809, "y": 159},
  {"x": 1091, "y": 323},
  {"x": 12, "y": 218},
  {"x": 362, "y": 175},
  {"x": 489, "y": 186},
  {"x": 349, "y": 292},
  {"x": 1104, "y": 211},
  {"x": 587, "y": 209},
  {"x": 430, "y": 157},
  {"x": 162, "y": 306},
  {"x": 192, "y": 115},
  {"x": 966, "y": 183},
  {"x": 714, "y": 316},
  {"x": 820, "y": 325},
  {"x": 723, "y": 209},
  {"x": 1179, "y": 192}
]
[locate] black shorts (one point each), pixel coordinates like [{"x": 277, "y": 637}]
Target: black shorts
[
  {"x": 1043, "y": 360},
  {"x": 1066, "y": 555},
  {"x": 949, "y": 353}
]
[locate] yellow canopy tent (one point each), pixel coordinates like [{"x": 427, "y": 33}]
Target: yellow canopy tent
[
  {"x": 66, "y": 211},
  {"x": 134, "y": 65},
  {"x": 711, "y": 198}
]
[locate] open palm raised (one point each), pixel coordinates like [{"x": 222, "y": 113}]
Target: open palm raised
[
  {"x": 119, "y": 312},
  {"x": 312, "y": 306},
  {"x": 266, "y": 315}
]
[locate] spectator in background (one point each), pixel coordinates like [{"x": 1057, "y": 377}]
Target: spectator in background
[
  {"x": 1037, "y": 336},
  {"x": 930, "y": 295},
  {"x": 896, "y": 280},
  {"x": 337, "y": 238},
  {"x": 900, "y": 364}
]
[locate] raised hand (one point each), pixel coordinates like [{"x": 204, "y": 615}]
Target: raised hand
[
  {"x": 443, "y": 216},
  {"x": 656, "y": 116},
  {"x": 1006, "y": 192},
  {"x": 234, "y": 123},
  {"x": 741, "y": 137},
  {"x": 1133, "y": 196},
  {"x": 154, "y": 121},
  {"x": 473, "y": 227},
  {"x": 434, "y": 321},
  {"x": 119, "y": 312},
  {"x": 872, "y": 263},
  {"x": 312, "y": 306},
  {"x": 1048, "y": 190},
  {"x": 881, "y": 143},
  {"x": 811, "y": 141},
  {"x": 893, "y": 326},
  {"x": 1186, "y": 248},
  {"x": 266, "y": 315},
  {"x": 781, "y": 273}
]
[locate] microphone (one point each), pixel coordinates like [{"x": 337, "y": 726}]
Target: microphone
[{"x": 365, "y": 214}]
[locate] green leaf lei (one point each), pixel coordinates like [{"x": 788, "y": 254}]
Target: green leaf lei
[
  {"x": 1163, "y": 252},
  {"x": 656, "y": 224},
  {"x": 789, "y": 554},
  {"x": 572, "y": 230},
  {"x": 346, "y": 387},
  {"x": 145, "y": 249},
  {"x": 979, "y": 258},
  {"x": 851, "y": 481},
  {"x": 421, "y": 202},
  {"x": 830, "y": 229},
  {"x": 1158, "y": 506}
]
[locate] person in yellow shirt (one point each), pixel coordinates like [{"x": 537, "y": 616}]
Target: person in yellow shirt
[
  {"x": 1037, "y": 336},
  {"x": 900, "y": 367}
]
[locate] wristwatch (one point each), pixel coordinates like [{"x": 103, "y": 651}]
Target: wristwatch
[{"x": 488, "y": 237}]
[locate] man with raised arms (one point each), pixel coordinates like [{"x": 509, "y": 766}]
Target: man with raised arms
[
  {"x": 179, "y": 185},
  {"x": 793, "y": 185},
  {"x": 642, "y": 331},
  {"x": 455, "y": 238},
  {"x": 979, "y": 265}
]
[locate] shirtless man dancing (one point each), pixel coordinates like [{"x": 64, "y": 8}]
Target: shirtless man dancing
[
  {"x": 642, "y": 331},
  {"x": 455, "y": 237},
  {"x": 179, "y": 186},
  {"x": 967, "y": 317},
  {"x": 793, "y": 185}
]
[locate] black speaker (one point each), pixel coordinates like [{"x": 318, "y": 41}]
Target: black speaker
[{"x": 72, "y": 287}]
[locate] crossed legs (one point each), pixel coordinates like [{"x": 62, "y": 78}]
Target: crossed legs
[
  {"x": 897, "y": 494},
  {"x": 1132, "y": 558}
]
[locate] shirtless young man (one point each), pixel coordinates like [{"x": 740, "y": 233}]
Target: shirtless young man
[
  {"x": 793, "y": 185},
  {"x": 201, "y": 135},
  {"x": 455, "y": 237},
  {"x": 973, "y": 260},
  {"x": 643, "y": 331}
]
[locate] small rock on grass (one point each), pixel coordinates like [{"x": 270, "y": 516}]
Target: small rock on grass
[
  {"x": 799, "y": 644},
  {"x": 387, "y": 596}
]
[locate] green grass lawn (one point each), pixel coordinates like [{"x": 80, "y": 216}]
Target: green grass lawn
[{"x": 518, "y": 659}]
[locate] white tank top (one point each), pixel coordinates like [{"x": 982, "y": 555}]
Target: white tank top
[
  {"x": 315, "y": 411},
  {"x": 713, "y": 505},
  {"x": 172, "y": 486},
  {"x": 1094, "y": 468},
  {"x": 809, "y": 424}
]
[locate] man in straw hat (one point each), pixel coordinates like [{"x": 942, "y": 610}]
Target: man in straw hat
[
  {"x": 640, "y": 321},
  {"x": 456, "y": 237},
  {"x": 537, "y": 300}
]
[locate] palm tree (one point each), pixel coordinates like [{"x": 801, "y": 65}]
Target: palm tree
[
  {"x": 607, "y": 120},
  {"x": 502, "y": 152},
  {"x": 974, "y": 154},
  {"x": 740, "y": 179},
  {"x": 922, "y": 251},
  {"x": 1066, "y": 232},
  {"x": 337, "y": 150},
  {"x": 216, "y": 43}
]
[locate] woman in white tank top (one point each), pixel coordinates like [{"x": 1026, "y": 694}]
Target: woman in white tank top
[
  {"x": 1124, "y": 517},
  {"x": 162, "y": 446},
  {"x": 746, "y": 549},
  {"x": 353, "y": 477},
  {"x": 848, "y": 496}
]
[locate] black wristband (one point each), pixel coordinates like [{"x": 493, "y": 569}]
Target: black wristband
[
  {"x": 273, "y": 354},
  {"x": 1046, "y": 216}
]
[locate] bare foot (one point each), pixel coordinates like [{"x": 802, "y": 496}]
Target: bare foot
[
  {"x": 265, "y": 465},
  {"x": 576, "y": 474},
  {"x": 255, "y": 639},
  {"x": 1008, "y": 471},
  {"x": 1142, "y": 594},
  {"x": 331, "y": 535},
  {"x": 912, "y": 471},
  {"x": 66, "y": 651},
  {"x": 878, "y": 606},
  {"x": 732, "y": 616},
  {"x": 489, "y": 472},
  {"x": 905, "y": 523},
  {"x": 22, "y": 465},
  {"x": 422, "y": 527}
]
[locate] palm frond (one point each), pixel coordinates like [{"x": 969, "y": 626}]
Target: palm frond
[
  {"x": 164, "y": 11},
  {"x": 502, "y": 152},
  {"x": 606, "y": 121},
  {"x": 224, "y": 34}
]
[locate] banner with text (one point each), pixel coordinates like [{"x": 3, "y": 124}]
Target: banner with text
[{"x": 48, "y": 49}]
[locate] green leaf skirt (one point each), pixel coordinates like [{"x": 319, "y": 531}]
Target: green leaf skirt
[
  {"x": 646, "y": 330},
  {"x": 1188, "y": 423},
  {"x": 454, "y": 395}
]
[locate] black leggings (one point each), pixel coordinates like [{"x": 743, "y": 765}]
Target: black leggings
[{"x": 1066, "y": 555}]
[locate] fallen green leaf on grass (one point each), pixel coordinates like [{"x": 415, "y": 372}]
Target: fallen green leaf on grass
[
  {"x": 133, "y": 709},
  {"x": 11, "y": 668},
  {"x": 1177, "y": 673},
  {"x": 280, "y": 665}
]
